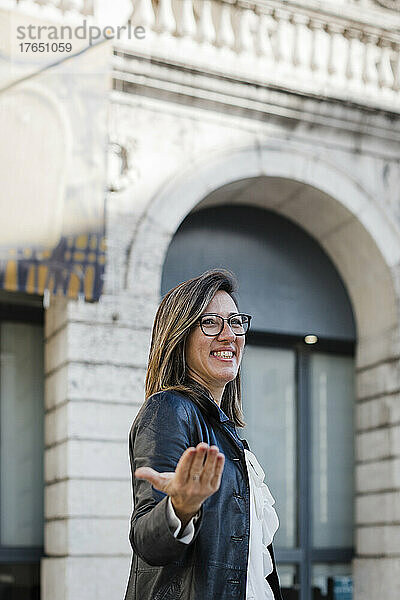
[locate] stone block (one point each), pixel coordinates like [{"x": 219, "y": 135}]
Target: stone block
[
  {"x": 383, "y": 540},
  {"x": 56, "y": 315},
  {"x": 376, "y": 412},
  {"x": 84, "y": 577},
  {"x": 98, "y": 382},
  {"x": 87, "y": 459},
  {"x": 378, "y": 508},
  {"x": 56, "y": 462},
  {"x": 108, "y": 344},
  {"x": 56, "y": 537},
  {"x": 53, "y": 576},
  {"x": 375, "y": 578},
  {"x": 379, "y": 347},
  {"x": 57, "y": 426},
  {"x": 378, "y": 476},
  {"x": 380, "y": 443},
  {"x": 381, "y": 379},
  {"x": 122, "y": 309},
  {"x": 81, "y": 342},
  {"x": 80, "y": 419},
  {"x": 88, "y": 498},
  {"x": 106, "y": 383},
  {"x": 56, "y": 350},
  {"x": 75, "y": 536},
  {"x": 56, "y": 386}
]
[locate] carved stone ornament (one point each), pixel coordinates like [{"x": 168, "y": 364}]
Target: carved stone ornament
[
  {"x": 121, "y": 171},
  {"x": 393, "y": 4}
]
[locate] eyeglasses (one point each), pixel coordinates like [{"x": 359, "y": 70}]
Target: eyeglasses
[{"x": 212, "y": 324}]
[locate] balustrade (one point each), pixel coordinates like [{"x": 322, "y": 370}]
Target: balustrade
[
  {"x": 300, "y": 45},
  {"x": 50, "y": 8}
]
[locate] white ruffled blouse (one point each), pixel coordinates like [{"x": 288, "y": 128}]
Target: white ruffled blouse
[{"x": 263, "y": 524}]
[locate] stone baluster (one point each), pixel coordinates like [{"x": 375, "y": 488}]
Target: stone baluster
[
  {"x": 72, "y": 6},
  {"x": 186, "y": 23},
  {"x": 225, "y": 36},
  {"x": 355, "y": 62},
  {"x": 205, "y": 29},
  {"x": 244, "y": 37},
  {"x": 284, "y": 38},
  {"x": 370, "y": 72},
  {"x": 88, "y": 7},
  {"x": 28, "y": 5},
  {"x": 302, "y": 41},
  {"x": 165, "y": 18},
  {"x": 143, "y": 14},
  {"x": 385, "y": 71},
  {"x": 338, "y": 49},
  {"x": 49, "y": 8},
  {"x": 319, "y": 48},
  {"x": 396, "y": 82},
  {"x": 263, "y": 43}
]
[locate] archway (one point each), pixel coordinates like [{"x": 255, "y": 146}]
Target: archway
[
  {"x": 355, "y": 232},
  {"x": 322, "y": 198}
]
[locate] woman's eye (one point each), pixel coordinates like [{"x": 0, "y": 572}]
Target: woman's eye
[
  {"x": 209, "y": 321},
  {"x": 236, "y": 321}
]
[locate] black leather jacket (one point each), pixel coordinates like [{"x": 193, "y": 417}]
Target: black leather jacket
[{"x": 214, "y": 565}]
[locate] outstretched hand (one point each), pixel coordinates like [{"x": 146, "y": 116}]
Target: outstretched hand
[{"x": 187, "y": 492}]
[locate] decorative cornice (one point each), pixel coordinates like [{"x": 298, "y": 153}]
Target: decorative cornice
[{"x": 392, "y": 4}]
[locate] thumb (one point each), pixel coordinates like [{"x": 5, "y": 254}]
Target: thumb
[{"x": 150, "y": 475}]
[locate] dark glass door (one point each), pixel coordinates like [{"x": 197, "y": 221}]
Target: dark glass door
[
  {"x": 21, "y": 455},
  {"x": 298, "y": 404}
]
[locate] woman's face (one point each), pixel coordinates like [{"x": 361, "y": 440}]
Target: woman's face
[{"x": 214, "y": 371}]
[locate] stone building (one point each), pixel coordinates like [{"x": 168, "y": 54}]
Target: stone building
[{"x": 263, "y": 136}]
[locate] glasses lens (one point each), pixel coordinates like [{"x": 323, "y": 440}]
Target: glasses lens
[
  {"x": 239, "y": 324},
  {"x": 211, "y": 324}
]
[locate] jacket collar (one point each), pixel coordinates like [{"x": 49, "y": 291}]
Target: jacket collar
[{"x": 217, "y": 411}]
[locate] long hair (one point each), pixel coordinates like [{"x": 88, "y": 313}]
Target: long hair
[{"x": 177, "y": 314}]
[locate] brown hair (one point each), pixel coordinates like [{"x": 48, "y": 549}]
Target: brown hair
[{"x": 177, "y": 314}]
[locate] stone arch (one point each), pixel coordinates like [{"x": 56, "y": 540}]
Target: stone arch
[{"x": 324, "y": 199}]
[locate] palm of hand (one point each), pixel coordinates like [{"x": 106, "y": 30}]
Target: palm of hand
[{"x": 189, "y": 492}]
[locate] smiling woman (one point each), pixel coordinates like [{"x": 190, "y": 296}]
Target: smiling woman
[{"x": 203, "y": 520}]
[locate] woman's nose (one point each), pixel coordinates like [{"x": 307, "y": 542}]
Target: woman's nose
[{"x": 227, "y": 333}]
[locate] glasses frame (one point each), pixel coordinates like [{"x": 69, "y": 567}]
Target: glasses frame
[{"x": 223, "y": 323}]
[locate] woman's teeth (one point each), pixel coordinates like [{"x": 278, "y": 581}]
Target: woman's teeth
[{"x": 223, "y": 354}]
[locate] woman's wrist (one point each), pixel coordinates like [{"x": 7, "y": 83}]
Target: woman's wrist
[{"x": 184, "y": 515}]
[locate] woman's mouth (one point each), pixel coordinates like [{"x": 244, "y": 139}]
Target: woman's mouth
[{"x": 225, "y": 355}]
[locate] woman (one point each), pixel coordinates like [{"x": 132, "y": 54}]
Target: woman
[{"x": 203, "y": 519}]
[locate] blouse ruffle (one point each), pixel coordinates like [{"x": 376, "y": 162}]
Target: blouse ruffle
[{"x": 266, "y": 520}]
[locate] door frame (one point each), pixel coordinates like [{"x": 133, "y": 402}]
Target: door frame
[{"x": 304, "y": 555}]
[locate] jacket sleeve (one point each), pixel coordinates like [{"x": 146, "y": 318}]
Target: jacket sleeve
[
  {"x": 159, "y": 436},
  {"x": 175, "y": 524}
]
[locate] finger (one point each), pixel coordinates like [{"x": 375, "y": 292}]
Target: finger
[
  {"x": 183, "y": 467},
  {"x": 209, "y": 465},
  {"x": 219, "y": 467},
  {"x": 198, "y": 458}
]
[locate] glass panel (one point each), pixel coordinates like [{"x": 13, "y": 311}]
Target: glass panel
[
  {"x": 21, "y": 434},
  {"x": 332, "y": 407},
  {"x": 332, "y": 582},
  {"x": 19, "y": 582},
  {"x": 268, "y": 376},
  {"x": 289, "y": 580}
]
